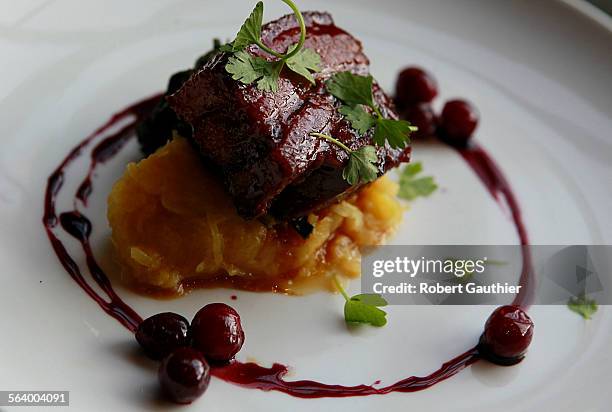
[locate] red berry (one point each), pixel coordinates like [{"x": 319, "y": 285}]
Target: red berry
[
  {"x": 415, "y": 85},
  {"x": 184, "y": 375},
  {"x": 217, "y": 332},
  {"x": 507, "y": 335},
  {"x": 422, "y": 116},
  {"x": 162, "y": 333},
  {"x": 458, "y": 121}
]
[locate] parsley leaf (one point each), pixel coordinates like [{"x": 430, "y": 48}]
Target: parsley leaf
[
  {"x": 395, "y": 132},
  {"x": 583, "y": 306},
  {"x": 351, "y": 88},
  {"x": 412, "y": 187},
  {"x": 358, "y": 312},
  {"x": 361, "y": 167},
  {"x": 370, "y": 299},
  {"x": 363, "y": 308},
  {"x": 360, "y": 120},
  {"x": 271, "y": 70},
  {"x": 412, "y": 169},
  {"x": 305, "y": 61},
  {"x": 246, "y": 68},
  {"x": 356, "y": 90},
  {"x": 250, "y": 32}
]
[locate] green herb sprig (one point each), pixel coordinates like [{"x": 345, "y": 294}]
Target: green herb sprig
[
  {"x": 356, "y": 92},
  {"x": 361, "y": 166},
  {"x": 247, "y": 69},
  {"x": 583, "y": 306},
  {"x": 411, "y": 186},
  {"x": 363, "y": 308}
]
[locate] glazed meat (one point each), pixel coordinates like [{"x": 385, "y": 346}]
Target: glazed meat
[{"x": 259, "y": 141}]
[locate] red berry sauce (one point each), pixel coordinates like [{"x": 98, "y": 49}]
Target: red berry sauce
[{"x": 250, "y": 375}]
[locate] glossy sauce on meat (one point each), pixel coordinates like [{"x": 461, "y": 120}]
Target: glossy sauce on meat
[{"x": 259, "y": 141}]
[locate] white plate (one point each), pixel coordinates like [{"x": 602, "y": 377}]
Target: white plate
[{"x": 540, "y": 72}]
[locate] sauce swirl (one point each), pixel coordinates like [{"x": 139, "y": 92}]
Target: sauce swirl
[{"x": 248, "y": 375}]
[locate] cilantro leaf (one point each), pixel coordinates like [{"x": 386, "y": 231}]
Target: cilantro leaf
[
  {"x": 250, "y": 32},
  {"x": 246, "y": 68},
  {"x": 304, "y": 62},
  {"x": 583, "y": 306},
  {"x": 359, "y": 312},
  {"x": 351, "y": 88},
  {"x": 396, "y": 132},
  {"x": 271, "y": 70},
  {"x": 354, "y": 90},
  {"x": 361, "y": 167},
  {"x": 411, "y": 187},
  {"x": 370, "y": 299},
  {"x": 412, "y": 169},
  {"x": 423, "y": 186},
  {"x": 363, "y": 308},
  {"x": 360, "y": 120}
]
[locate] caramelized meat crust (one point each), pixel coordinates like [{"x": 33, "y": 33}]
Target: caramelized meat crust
[{"x": 259, "y": 142}]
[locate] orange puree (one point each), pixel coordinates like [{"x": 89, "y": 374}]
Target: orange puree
[{"x": 175, "y": 228}]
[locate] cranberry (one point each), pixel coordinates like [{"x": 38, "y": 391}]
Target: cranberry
[
  {"x": 507, "y": 335},
  {"x": 162, "y": 333},
  {"x": 422, "y": 116},
  {"x": 184, "y": 375},
  {"x": 217, "y": 332},
  {"x": 415, "y": 85},
  {"x": 458, "y": 121}
]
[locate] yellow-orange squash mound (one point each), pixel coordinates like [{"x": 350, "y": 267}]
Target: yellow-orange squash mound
[{"x": 174, "y": 227}]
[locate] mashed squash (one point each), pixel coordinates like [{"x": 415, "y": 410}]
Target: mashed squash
[{"x": 175, "y": 228}]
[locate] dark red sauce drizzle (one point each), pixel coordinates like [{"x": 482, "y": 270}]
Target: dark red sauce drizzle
[
  {"x": 249, "y": 375},
  {"x": 77, "y": 225},
  {"x": 496, "y": 183}
]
